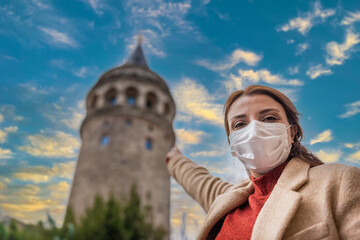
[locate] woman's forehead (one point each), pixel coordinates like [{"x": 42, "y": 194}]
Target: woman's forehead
[{"x": 253, "y": 104}]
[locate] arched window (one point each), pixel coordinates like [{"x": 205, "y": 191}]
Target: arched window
[
  {"x": 110, "y": 97},
  {"x": 166, "y": 108},
  {"x": 105, "y": 140},
  {"x": 131, "y": 95},
  {"x": 151, "y": 100},
  {"x": 93, "y": 102},
  {"x": 148, "y": 144}
]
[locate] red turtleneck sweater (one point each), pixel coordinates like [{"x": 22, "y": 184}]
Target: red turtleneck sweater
[{"x": 239, "y": 223}]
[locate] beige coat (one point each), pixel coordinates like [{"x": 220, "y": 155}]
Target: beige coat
[{"x": 307, "y": 203}]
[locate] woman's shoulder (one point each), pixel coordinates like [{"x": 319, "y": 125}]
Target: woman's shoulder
[
  {"x": 333, "y": 171},
  {"x": 242, "y": 183},
  {"x": 333, "y": 167}
]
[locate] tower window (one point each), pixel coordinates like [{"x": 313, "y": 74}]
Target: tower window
[
  {"x": 148, "y": 144},
  {"x": 131, "y": 100},
  {"x": 166, "y": 109},
  {"x": 93, "y": 102},
  {"x": 151, "y": 100},
  {"x": 113, "y": 101},
  {"x": 110, "y": 97},
  {"x": 105, "y": 140},
  {"x": 131, "y": 95}
]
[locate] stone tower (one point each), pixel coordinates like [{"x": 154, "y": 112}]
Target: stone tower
[{"x": 125, "y": 136}]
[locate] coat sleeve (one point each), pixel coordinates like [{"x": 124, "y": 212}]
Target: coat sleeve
[
  {"x": 196, "y": 180},
  {"x": 348, "y": 204}
]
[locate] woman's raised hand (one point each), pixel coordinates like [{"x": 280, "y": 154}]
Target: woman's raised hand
[{"x": 175, "y": 150}]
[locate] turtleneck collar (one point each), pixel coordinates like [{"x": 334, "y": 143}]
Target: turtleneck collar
[{"x": 265, "y": 184}]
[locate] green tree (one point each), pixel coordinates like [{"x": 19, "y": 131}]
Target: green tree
[
  {"x": 113, "y": 219},
  {"x": 92, "y": 224},
  {"x": 13, "y": 234},
  {"x": 2, "y": 232}
]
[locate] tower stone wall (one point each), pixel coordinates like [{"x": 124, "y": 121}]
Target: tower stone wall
[{"x": 125, "y": 136}]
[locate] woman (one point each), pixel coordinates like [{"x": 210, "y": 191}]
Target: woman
[{"x": 290, "y": 194}]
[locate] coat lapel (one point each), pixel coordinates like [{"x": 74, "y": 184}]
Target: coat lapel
[
  {"x": 222, "y": 205},
  {"x": 283, "y": 202}
]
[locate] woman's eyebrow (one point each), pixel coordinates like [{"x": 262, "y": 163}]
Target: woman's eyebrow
[
  {"x": 259, "y": 113},
  {"x": 238, "y": 116},
  {"x": 267, "y": 110}
]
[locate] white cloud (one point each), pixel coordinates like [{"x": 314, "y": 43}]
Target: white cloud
[
  {"x": 1, "y": 118},
  {"x": 59, "y": 113},
  {"x": 264, "y": 75},
  {"x": 351, "y": 109},
  {"x": 96, "y": 5},
  {"x": 237, "y": 56},
  {"x": 205, "y": 2},
  {"x": 213, "y": 153},
  {"x": 234, "y": 83},
  {"x": 329, "y": 155},
  {"x": 301, "y": 48},
  {"x": 156, "y": 20},
  {"x": 40, "y": 174},
  {"x": 75, "y": 120},
  {"x": 59, "y": 190},
  {"x": 40, "y": 4},
  {"x": 5, "y": 153},
  {"x": 3, "y": 136},
  {"x": 291, "y": 93},
  {"x": 9, "y": 58},
  {"x": 151, "y": 43},
  {"x": 12, "y": 129},
  {"x": 185, "y": 137},
  {"x": 352, "y": 145},
  {"x": 9, "y": 112},
  {"x": 81, "y": 72},
  {"x": 59, "y": 63},
  {"x": 355, "y": 157},
  {"x": 293, "y": 70},
  {"x": 303, "y": 25},
  {"x": 194, "y": 101},
  {"x": 306, "y": 21},
  {"x": 60, "y": 145},
  {"x": 34, "y": 88},
  {"x": 317, "y": 71},
  {"x": 338, "y": 53},
  {"x": 161, "y": 14},
  {"x": 59, "y": 38},
  {"x": 351, "y": 18},
  {"x": 291, "y": 41},
  {"x": 325, "y": 136},
  {"x": 161, "y": 9}
]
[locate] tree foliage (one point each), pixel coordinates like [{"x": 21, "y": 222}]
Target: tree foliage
[{"x": 113, "y": 219}]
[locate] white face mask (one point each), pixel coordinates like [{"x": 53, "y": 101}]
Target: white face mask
[{"x": 261, "y": 146}]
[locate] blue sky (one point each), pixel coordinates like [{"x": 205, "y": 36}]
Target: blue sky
[{"x": 53, "y": 52}]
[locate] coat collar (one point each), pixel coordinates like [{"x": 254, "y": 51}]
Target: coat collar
[
  {"x": 223, "y": 204},
  {"x": 270, "y": 223},
  {"x": 283, "y": 202}
]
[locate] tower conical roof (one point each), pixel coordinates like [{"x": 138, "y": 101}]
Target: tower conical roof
[
  {"x": 138, "y": 57},
  {"x": 135, "y": 67}
]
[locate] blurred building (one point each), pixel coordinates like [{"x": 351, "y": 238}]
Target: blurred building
[
  {"x": 6, "y": 220},
  {"x": 125, "y": 136}
]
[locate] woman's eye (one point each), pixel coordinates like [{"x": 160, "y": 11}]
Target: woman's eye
[
  {"x": 239, "y": 125},
  {"x": 270, "y": 118}
]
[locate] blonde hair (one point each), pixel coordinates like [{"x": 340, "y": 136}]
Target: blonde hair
[{"x": 297, "y": 149}]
